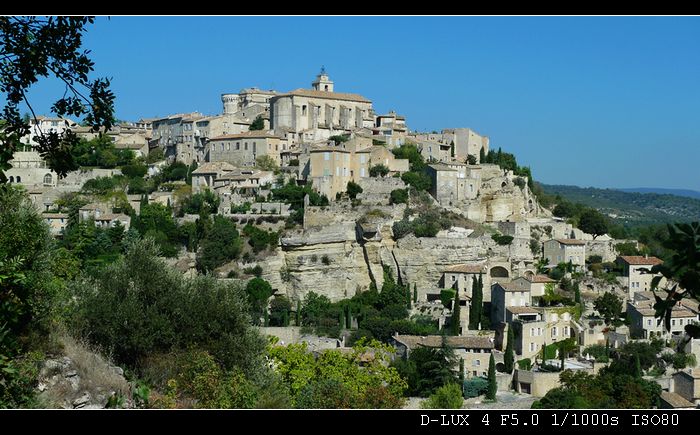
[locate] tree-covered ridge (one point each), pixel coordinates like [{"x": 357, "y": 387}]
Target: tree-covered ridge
[{"x": 629, "y": 208}]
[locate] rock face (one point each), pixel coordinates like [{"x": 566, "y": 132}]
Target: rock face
[{"x": 81, "y": 380}]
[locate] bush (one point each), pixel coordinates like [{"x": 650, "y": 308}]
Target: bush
[
  {"x": 137, "y": 306},
  {"x": 475, "y": 387},
  {"x": 256, "y": 271},
  {"x": 137, "y": 170},
  {"x": 325, "y": 260},
  {"x": 398, "y": 196},
  {"x": 446, "y": 397},
  {"x": 378, "y": 171},
  {"x": 502, "y": 239},
  {"x": 353, "y": 189},
  {"x": 447, "y": 296}
]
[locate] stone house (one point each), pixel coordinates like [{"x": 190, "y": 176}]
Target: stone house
[
  {"x": 453, "y": 182},
  {"x": 136, "y": 142},
  {"x": 391, "y": 129},
  {"x": 634, "y": 268},
  {"x": 29, "y": 169},
  {"x": 536, "y": 327},
  {"x": 109, "y": 220},
  {"x": 204, "y": 176},
  {"x": 565, "y": 250},
  {"x": 640, "y": 313},
  {"x": 330, "y": 168},
  {"x": 474, "y": 349},
  {"x": 686, "y": 383},
  {"x": 58, "y": 222},
  {"x": 380, "y": 155},
  {"x": 243, "y": 149},
  {"x": 44, "y": 125},
  {"x": 505, "y": 295}
]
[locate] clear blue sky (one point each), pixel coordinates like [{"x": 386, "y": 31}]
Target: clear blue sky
[{"x": 604, "y": 102}]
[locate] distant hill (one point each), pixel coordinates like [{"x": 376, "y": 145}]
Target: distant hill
[
  {"x": 678, "y": 192},
  {"x": 632, "y": 208}
]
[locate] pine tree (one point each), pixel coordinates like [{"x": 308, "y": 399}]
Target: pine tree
[
  {"x": 509, "y": 358},
  {"x": 493, "y": 387},
  {"x": 456, "y": 324}
]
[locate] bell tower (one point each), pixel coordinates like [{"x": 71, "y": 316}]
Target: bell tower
[{"x": 322, "y": 82}]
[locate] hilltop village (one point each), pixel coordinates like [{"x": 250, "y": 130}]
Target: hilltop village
[{"x": 346, "y": 226}]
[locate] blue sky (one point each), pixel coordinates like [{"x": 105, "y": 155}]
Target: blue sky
[{"x": 590, "y": 101}]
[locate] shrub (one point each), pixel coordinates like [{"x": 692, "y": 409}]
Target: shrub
[
  {"x": 325, "y": 260},
  {"x": 446, "y": 397},
  {"x": 475, "y": 387},
  {"x": 447, "y": 296},
  {"x": 378, "y": 171},
  {"x": 353, "y": 189},
  {"x": 398, "y": 196},
  {"x": 502, "y": 239}
]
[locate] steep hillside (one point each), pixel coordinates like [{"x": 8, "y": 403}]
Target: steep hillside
[{"x": 631, "y": 208}]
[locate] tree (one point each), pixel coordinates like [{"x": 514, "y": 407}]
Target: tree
[
  {"x": 415, "y": 293},
  {"x": 471, "y": 160},
  {"x": 609, "y": 306},
  {"x": 266, "y": 163},
  {"x": 221, "y": 244},
  {"x": 593, "y": 222},
  {"x": 446, "y": 397},
  {"x": 32, "y": 48},
  {"x": 259, "y": 291},
  {"x": 476, "y": 303},
  {"x": 353, "y": 189},
  {"x": 257, "y": 124},
  {"x": 509, "y": 357},
  {"x": 482, "y": 155},
  {"x": 378, "y": 171},
  {"x": 493, "y": 386},
  {"x": 455, "y": 323},
  {"x": 682, "y": 270},
  {"x": 280, "y": 307}
]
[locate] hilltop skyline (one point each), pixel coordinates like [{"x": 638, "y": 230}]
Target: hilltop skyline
[{"x": 603, "y": 92}]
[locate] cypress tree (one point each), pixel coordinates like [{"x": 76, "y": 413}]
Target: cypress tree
[
  {"x": 509, "y": 358},
  {"x": 492, "y": 387},
  {"x": 482, "y": 155},
  {"x": 456, "y": 311},
  {"x": 267, "y": 318},
  {"x": 477, "y": 303},
  {"x": 341, "y": 319},
  {"x": 577, "y": 293},
  {"x": 408, "y": 297},
  {"x": 637, "y": 367},
  {"x": 348, "y": 318},
  {"x": 415, "y": 293},
  {"x": 461, "y": 371},
  {"x": 298, "y": 314}
]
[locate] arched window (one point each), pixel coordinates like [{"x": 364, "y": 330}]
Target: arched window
[
  {"x": 499, "y": 272},
  {"x": 48, "y": 179},
  {"x": 19, "y": 179},
  {"x": 12, "y": 179}
]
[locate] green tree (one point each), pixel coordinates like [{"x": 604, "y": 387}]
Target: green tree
[
  {"x": 493, "y": 387},
  {"x": 32, "y": 48},
  {"x": 266, "y": 163},
  {"x": 398, "y": 196},
  {"x": 221, "y": 244},
  {"x": 476, "y": 303},
  {"x": 593, "y": 222},
  {"x": 609, "y": 306},
  {"x": 509, "y": 357},
  {"x": 353, "y": 189},
  {"x": 455, "y": 323},
  {"x": 280, "y": 308},
  {"x": 259, "y": 292},
  {"x": 378, "y": 171},
  {"x": 446, "y": 397},
  {"x": 257, "y": 124}
]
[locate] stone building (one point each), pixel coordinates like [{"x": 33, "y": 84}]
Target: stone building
[
  {"x": 205, "y": 176},
  {"x": 453, "y": 182},
  {"x": 175, "y": 135},
  {"x": 380, "y": 155},
  {"x": 634, "y": 268},
  {"x": 331, "y": 167},
  {"x": 390, "y": 129},
  {"x": 686, "y": 383},
  {"x": 535, "y": 327},
  {"x": 565, "y": 250},
  {"x": 643, "y": 323},
  {"x": 29, "y": 169},
  {"x": 44, "y": 125},
  {"x": 451, "y": 144},
  {"x": 246, "y": 98},
  {"x": 58, "y": 222},
  {"x": 475, "y": 350},
  {"x": 505, "y": 295},
  {"x": 316, "y": 114},
  {"x": 244, "y": 148}
]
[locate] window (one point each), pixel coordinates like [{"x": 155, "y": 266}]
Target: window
[
  {"x": 532, "y": 347},
  {"x": 47, "y": 179},
  {"x": 222, "y": 147},
  {"x": 478, "y": 363},
  {"x": 337, "y": 171},
  {"x": 532, "y": 332},
  {"x": 648, "y": 322},
  {"x": 326, "y": 156},
  {"x": 554, "y": 331},
  {"x": 673, "y": 322},
  {"x": 245, "y": 146},
  {"x": 362, "y": 172},
  {"x": 228, "y": 147},
  {"x": 362, "y": 158},
  {"x": 453, "y": 278}
]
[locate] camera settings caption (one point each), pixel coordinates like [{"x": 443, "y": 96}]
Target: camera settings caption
[{"x": 544, "y": 418}]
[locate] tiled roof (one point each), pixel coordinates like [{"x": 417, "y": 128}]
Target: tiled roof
[
  {"x": 414, "y": 341},
  {"x": 256, "y": 134},
  {"x": 214, "y": 167},
  {"x": 571, "y": 241},
  {"x": 523, "y": 310},
  {"x": 466, "y": 268},
  {"x": 540, "y": 279},
  {"x": 329, "y": 95},
  {"x": 676, "y": 400},
  {"x": 641, "y": 260}
]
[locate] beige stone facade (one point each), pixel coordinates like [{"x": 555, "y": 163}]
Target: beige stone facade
[
  {"x": 58, "y": 222},
  {"x": 244, "y": 148},
  {"x": 29, "y": 169},
  {"x": 453, "y": 182},
  {"x": 634, "y": 272},
  {"x": 565, "y": 250}
]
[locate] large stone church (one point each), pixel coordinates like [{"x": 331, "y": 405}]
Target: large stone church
[{"x": 307, "y": 115}]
